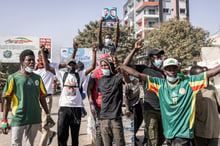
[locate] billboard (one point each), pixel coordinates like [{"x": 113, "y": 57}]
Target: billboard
[
  {"x": 83, "y": 54},
  {"x": 11, "y": 47},
  {"x": 109, "y": 15}
]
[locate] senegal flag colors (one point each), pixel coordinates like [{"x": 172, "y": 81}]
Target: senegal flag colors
[{"x": 178, "y": 103}]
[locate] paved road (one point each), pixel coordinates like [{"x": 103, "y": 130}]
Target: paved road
[{"x": 84, "y": 139}]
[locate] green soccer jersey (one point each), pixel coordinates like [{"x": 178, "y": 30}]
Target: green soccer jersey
[
  {"x": 178, "y": 103},
  {"x": 25, "y": 92}
]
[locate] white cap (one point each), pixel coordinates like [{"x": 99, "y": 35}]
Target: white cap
[{"x": 170, "y": 62}]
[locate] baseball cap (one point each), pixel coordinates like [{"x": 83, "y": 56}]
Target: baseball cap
[
  {"x": 155, "y": 52},
  {"x": 170, "y": 62},
  {"x": 71, "y": 60},
  {"x": 80, "y": 64}
]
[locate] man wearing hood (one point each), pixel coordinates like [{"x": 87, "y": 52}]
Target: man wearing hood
[
  {"x": 110, "y": 87},
  {"x": 95, "y": 99}
]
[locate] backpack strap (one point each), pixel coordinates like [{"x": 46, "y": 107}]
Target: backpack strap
[
  {"x": 64, "y": 78},
  {"x": 78, "y": 81}
]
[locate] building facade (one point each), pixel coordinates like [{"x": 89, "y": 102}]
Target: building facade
[{"x": 142, "y": 15}]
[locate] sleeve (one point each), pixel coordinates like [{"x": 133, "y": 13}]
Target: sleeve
[
  {"x": 59, "y": 76},
  {"x": 153, "y": 84},
  {"x": 198, "y": 82},
  {"x": 43, "y": 90},
  {"x": 8, "y": 89},
  {"x": 82, "y": 76},
  {"x": 98, "y": 86},
  {"x": 92, "y": 79},
  {"x": 55, "y": 66},
  {"x": 217, "y": 97}
]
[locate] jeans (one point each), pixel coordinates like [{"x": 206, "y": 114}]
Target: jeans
[
  {"x": 138, "y": 117},
  {"x": 99, "y": 141},
  {"x": 176, "y": 141},
  {"x": 30, "y": 132},
  {"x": 46, "y": 133},
  {"x": 200, "y": 141},
  {"x": 112, "y": 129},
  {"x": 68, "y": 117},
  {"x": 153, "y": 127}
]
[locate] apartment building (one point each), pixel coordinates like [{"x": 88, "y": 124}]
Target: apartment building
[{"x": 142, "y": 15}]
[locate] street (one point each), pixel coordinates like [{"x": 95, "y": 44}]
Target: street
[{"x": 84, "y": 138}]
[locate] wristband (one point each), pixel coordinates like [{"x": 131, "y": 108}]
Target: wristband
[
  {"x": 93, "y": 111},
  {"x": 6, "y": 121},
  {"x": 48, "y": 115},
  {"x": 91, "y": 103},
  {"x": 4, "y": 124},
  {"x": 127, "y": 111}
]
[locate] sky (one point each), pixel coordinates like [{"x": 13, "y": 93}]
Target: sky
[{"x": 61, "y": 19}]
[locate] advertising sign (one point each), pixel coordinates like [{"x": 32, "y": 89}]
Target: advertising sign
[
  {"x": 83, "y": 54},
  {"x": 11, "y": 47},
  {"x": 47, "y": 43},
  {"x": 109, "y": 16}
]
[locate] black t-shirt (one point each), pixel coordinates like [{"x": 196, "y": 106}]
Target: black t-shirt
[
  {"x": 151, "y": 101},
  {"x": 112, "y": 95}
]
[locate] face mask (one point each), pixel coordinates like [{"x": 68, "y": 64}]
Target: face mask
[
  {"x": 71, "y": 70},
  {"x": 131, "y": 78},
  {"x": 29, "y": 70},
  {"x": 171, "y": 79},
  {"x": 106, "y": 72},
  {"x": 108, "y": 41},
  {"x": 157, "y": 63}
]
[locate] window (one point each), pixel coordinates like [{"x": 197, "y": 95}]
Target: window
[
  {"x": 165, "y": 10},
  {"x": 152, "y": 11},
  {"x": 125, "y": 13},
  {"x": 151, "y": 24},
  {"x": 182, "y": 11}
]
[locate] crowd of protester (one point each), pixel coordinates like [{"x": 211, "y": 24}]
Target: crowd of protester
[{"x": 177, "y": 109}]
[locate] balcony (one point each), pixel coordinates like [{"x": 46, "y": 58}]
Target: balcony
[
  {"x": 140, "y": 29},
  {"x": 141, "y": 5},
  {"x": 147, "y": 15}
]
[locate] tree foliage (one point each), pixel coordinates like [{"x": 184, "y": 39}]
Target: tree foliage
[
  {"x": 90, "y": 34},
  {"x": 178, "y": 39}
]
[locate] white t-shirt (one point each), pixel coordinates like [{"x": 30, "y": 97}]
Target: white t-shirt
[
  {"x": 47, "y": 76},
  {"x": 85, "y": 84},
  {"x": 70, "y": 96}
]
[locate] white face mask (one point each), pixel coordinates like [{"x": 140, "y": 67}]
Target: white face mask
[
  {"x": 29, "y": 70},
  {"x": 108, "y": 41},
  {"x": 157, "y": 62},
  {"x": 106, "y": 72},
  {"x": 133, "y": 78},
  {"x": 171, "y": 79}
]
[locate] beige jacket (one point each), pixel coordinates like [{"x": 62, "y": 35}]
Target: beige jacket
[{"x": 207, "y": 122}]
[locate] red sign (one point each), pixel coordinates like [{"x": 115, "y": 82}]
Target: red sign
[{"x": 46, "y": 42}]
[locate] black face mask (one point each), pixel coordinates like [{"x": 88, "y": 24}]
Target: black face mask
[{"x": 71, "y": 70}]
